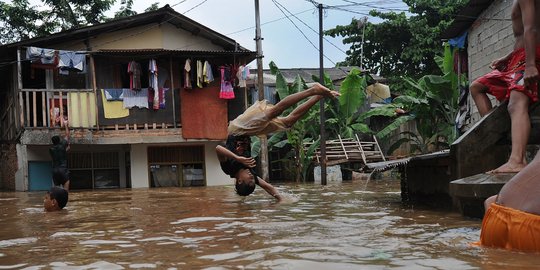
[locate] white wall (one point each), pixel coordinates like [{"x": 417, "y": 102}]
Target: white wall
[
  {"x": 139, "y": 166},
  {"x": 21, "y": 176},
  {"x": 214, "y": 175}
]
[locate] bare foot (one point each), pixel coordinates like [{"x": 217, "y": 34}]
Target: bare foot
[
  {"x": 508, "y": 167},
  {"x": 321, "y": 90}
]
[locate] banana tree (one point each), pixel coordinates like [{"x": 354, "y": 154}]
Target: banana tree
[
  {"x": 432, "y": 103},
  {"x": 343, "y": 118}
]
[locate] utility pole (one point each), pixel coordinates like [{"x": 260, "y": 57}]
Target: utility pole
[
  {"x": 321, "y": 102},
  {"x": 260, "y": 86}
]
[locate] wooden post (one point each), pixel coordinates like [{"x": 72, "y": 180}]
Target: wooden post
[
  {"x": 19, "y": 88},
  {"x": 172, "y": 91},
  {"x": 94, "y": 87}
]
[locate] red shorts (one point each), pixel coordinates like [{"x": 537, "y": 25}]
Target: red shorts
[{"x": 501, "y": 82}]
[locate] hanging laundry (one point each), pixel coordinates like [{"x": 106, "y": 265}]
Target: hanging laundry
[
  {"x": 42, "y": 58},
  {"x": 199, "y": 74},
  {"x": 135, "y": 98},
  {"x": 227, "y": 91},
  {"x": 159, "y": 95},
  {"x": 153, "y": 81},
  {"x": 70, "y": 60},
  {"x": 41, "y": 55},
  {"x": 134, "y": 70},
  {"x": 208, "y": 76},
  {"x": 245, "y": 73},
  {"x": 114, "y": 94},
  {"x": 113, "y": 109},
  {"x": 187, "y": 76},
  {"x": 240, "y": 76},
  {"x": 82, "y": 109}
]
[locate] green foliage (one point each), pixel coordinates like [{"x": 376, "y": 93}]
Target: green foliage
[
  {"x": 432, "y": 102},
  {"x": 402, "y": 44},
  {"x": 20, "y": 21},
  {"x": 126, "y": 10},
  {"x": 344, "y": 120}
]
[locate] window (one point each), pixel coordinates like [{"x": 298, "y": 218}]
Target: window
[
  {"x": 94, "y": 170},
  {"x": 172, "y": 166}
]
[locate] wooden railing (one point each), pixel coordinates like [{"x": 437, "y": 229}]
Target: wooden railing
[{"x": 41, "y": 108}]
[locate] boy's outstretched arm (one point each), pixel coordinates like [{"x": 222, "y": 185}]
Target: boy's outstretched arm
[
  {"x": 224, "y": 154},
  {"x": 270, "y": 189},
  {"x": 65, "y": 123}
]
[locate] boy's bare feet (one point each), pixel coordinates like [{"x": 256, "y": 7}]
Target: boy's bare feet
[
  {"x": 323, "y": 91},
  {"x": 508, "y": 167}
]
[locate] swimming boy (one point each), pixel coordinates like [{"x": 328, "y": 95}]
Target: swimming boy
[{"x": 55, "y": 199}]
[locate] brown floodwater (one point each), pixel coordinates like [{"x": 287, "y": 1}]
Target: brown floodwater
[{"x": 353, "y": 225}]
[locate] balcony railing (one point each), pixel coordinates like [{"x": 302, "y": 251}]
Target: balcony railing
[{"x": 84, "y": 108}]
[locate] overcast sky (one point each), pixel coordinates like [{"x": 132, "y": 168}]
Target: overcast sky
[
  {"x": 283, "y": 43},
  {"x": 289, "y": 28}
]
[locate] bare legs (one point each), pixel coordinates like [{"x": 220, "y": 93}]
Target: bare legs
[
  {"x": 518, "y": 107},
  {"x": 479, "y": 94},
  {"x": 316, "y": 92}
]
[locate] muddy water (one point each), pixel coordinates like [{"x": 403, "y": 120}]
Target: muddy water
[{"x": 354, "y": 225}]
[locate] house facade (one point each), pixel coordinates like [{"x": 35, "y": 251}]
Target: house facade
[
  {"x": 138, "y": 93},
  {"x": 488, "y": 30}
]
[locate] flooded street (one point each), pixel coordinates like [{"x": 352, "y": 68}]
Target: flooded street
[{"x": 354, "y": 225}]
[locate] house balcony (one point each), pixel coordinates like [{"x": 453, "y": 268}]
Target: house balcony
[{"x": 90, "y": 119}]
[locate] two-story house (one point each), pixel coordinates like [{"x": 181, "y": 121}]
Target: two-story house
[{"x": 147, "y": 98}]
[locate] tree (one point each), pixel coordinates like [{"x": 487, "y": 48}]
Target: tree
[
  {"x": 20, "y": 20},
  {"x": 402, "y": 44}
]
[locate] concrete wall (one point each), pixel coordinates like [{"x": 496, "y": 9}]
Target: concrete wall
[
  {"x": 139, "y": 166},
  {"x": 152, "y": 36},
  {"x": 214, "y": 175},
  {"x": 178, "y": 39},
  {"x": 489, "y": 38}
]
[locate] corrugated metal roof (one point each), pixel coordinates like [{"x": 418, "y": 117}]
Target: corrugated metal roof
[
  {"x": 465, "y": 18},
  {"x": 335, "y": 73},
  {"x": 160, "y": 52}
]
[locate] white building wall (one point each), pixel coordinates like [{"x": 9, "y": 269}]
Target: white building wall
[
  {"x": 139, "y": 166},
  {"x": 490, "y": 37},
  {"x": 214, "y": 175},
  {"x": 21, "y": 176}
]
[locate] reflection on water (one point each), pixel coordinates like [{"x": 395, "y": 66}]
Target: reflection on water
[{"x": 346, "y": 226}]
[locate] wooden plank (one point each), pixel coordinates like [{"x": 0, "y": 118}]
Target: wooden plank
[
  {"x": 61, "y": 105},
  {"x": 27, "y": 96},
  {"x": 94, "y": 87},
  {"x": 171, "y": 74},
  {"x": 44, "y": 109},
  {"x": 34, "y": 109}
]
